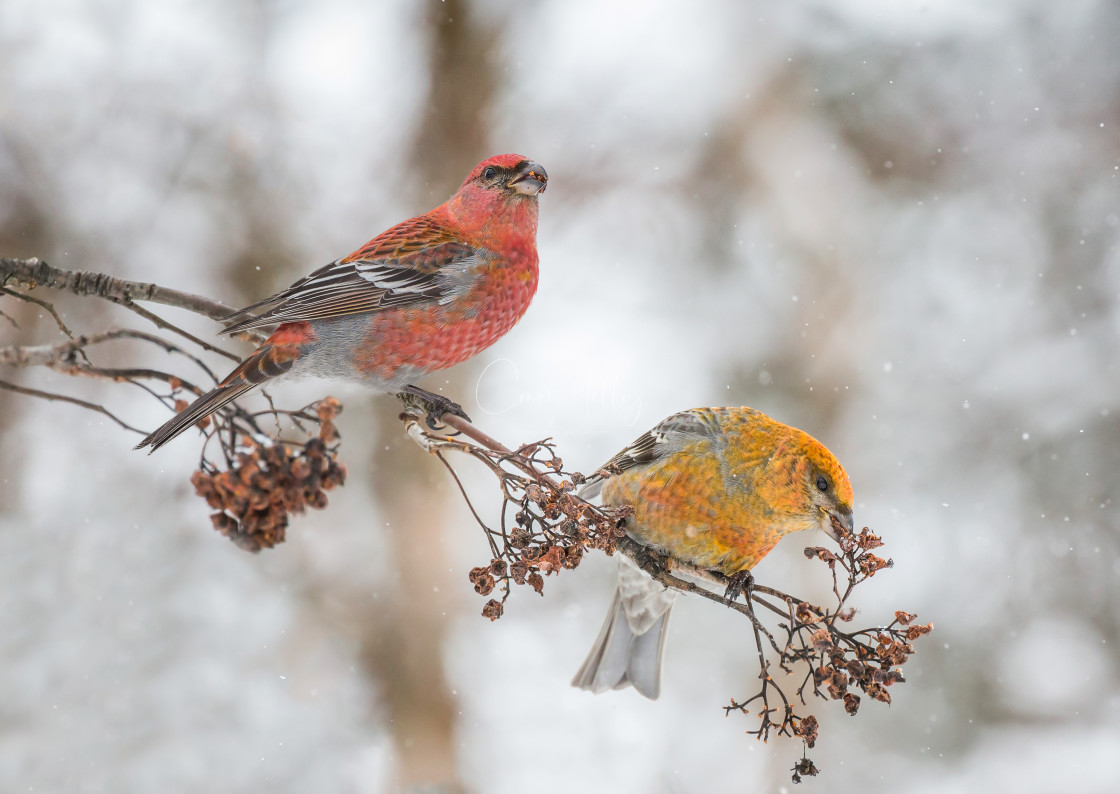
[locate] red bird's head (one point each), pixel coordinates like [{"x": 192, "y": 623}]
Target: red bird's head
[
  {"x": 500, "y": 193},
  {"x": 508, "y": 174}
]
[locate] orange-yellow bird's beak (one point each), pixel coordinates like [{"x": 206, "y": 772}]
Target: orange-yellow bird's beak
[
  {"x": 530, "y": 180},
  {"x": 843, "y": 517}
]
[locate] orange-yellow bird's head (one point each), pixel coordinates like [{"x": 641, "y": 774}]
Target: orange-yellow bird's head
[
  {"x": 793, "y": 481},
  {"x": 825, "y": 490}
]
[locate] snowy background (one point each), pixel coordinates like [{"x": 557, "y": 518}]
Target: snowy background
[{"x": 893, "y": 224}]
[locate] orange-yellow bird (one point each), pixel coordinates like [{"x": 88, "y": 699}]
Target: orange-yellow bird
[{"x": 713, "y": 487}]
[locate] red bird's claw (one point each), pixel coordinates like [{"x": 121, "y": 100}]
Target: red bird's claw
[
  {"x": 437, "y": 411},
  {"x": 434, "y": 406},
  {"x": 433, "y": 423}
]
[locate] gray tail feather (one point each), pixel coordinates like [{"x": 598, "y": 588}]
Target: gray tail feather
[
  {"x": 621, "y": 658},
  {"x": 592, "y": 488},
  {"x": 193, "y": 414}
]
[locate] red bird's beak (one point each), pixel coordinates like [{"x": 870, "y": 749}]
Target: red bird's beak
[{"x": 531, "y": 179}]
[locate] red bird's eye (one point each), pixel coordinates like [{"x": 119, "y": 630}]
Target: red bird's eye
[{"x": 489, "y": 172}]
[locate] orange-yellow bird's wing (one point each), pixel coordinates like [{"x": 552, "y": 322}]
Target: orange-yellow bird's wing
[{"x": 669, "y": 436}]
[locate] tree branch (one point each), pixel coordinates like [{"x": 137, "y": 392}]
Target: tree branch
[{"x": 31, "y": 273}]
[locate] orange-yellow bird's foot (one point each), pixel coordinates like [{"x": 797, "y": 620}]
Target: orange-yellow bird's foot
[
  {"x": 434, "y": 406},
  {"x": 739, "y": 584}
]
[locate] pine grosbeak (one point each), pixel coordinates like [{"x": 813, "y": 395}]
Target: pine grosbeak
[
  {"x": 713, "y": 487},
  {"x": 424, "y": 295}
]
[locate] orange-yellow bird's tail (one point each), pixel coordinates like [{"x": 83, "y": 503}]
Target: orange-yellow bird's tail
[{"x": 629, "y": 648}]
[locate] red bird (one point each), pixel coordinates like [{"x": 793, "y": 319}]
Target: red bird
[{"x": 426, "y": 294}]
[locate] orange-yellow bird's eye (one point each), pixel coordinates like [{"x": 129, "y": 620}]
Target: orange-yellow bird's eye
[{"x": 822, "y": 484}]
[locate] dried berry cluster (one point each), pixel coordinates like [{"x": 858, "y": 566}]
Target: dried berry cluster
[
  {"x": 551, "y": 528},
  {"x": 866, "y": 659},
  {"x": 263, "y": 485},
  {"x": 838, "y": 663},
  {"x": 873, "y": 668}
]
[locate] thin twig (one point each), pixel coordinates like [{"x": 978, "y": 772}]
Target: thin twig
[
  {"x": 53, "y": 397},
  {"x": 159, "y": 322},
  {"x": 44, "y": 305}
]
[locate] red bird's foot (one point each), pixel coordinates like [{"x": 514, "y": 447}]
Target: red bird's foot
[
  {"x": 740, "y": 584},
  {"x": 434, "y": 406}
]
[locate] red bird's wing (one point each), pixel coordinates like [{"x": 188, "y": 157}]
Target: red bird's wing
[{"x": 415, "y": 262}]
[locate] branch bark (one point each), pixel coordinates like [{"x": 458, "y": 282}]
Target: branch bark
[{"x": 31, "y": 273}]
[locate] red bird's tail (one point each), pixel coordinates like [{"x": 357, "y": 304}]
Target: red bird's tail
[{"x": 267, "y": 362}]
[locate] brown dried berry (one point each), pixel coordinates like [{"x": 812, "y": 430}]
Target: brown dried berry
[
  {"x": 869, "y": 564},
  {"x": 328, "y": 408},
  {"x": 300, "y": 469},
  {"x": 856, "y": 668},
  {"x": 536, "y": 581},
  {"x": 868, "y": 541},
  {"x": 804, "y": 767},
  {"x": 805, "y": 615},
  {"x": 892, "y": 677},
  {"x": 531, "y": 554},
  {"x": 913, "y": 632},
  {"x": 225, "y": 524},
  {"x": 878, "y": 692},
  {"x": 550, "y": 560},
  {"x": 492, "y": 610},
  {"x": 572, "y": 556},
  {"x": 807, "y": 730},
  {"x": 851, "y": 703},
  {"x": 328, "y": 432},
  {"x": 482, "y": 580},
  {"x": 821, "y": 553}
]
